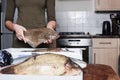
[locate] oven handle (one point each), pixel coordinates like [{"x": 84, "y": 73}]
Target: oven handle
[
  {"x": 74, "y": 40},
  {"x": 66, "y": 49}
]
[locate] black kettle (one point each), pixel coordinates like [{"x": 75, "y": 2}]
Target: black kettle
[{"x": 106, "y": 29}]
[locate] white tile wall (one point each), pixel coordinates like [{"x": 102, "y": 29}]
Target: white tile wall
[{"x": 80, "y": 21}]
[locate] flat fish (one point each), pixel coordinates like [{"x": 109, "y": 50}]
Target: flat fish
[
  {"x": 35, "y": 37},
  {"x": 44, "y": 64},
  {"x": 43, "y": 50}
]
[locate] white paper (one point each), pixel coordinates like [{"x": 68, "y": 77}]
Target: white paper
[
  {"x": 35, "y": 77},
  {"x": 19, "y": 55}
]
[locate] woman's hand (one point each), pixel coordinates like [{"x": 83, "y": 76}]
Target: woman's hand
[
  {"x": 51, "y": 25},
  {"x": 19, "y": 30}
]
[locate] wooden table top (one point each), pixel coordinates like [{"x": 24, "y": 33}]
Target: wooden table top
[{"x": 99, "y": 72}]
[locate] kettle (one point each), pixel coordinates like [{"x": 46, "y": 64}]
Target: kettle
[{"x": 106, "y": 28}]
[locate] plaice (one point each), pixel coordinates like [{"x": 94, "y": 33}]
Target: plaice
[{"x": 35, "y": 37}]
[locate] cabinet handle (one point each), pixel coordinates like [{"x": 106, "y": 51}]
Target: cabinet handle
[
  {"x": 105, "y": 43},
  {"x": 94, "y": 58}
]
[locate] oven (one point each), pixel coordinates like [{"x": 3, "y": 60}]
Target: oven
[{"x": 76, "y": 41}]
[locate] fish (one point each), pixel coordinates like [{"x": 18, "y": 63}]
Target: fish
[
  {"x": 35, "y": 37},
  {"x": 45, "y": 64},
  {"x": 44, "y": 50}
]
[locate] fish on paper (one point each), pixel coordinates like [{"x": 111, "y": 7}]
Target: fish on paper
[{"x": 45, "y": 64}]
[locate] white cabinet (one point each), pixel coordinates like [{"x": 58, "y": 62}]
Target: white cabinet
[
  {"x": 105, "y": 51},
  {"x": 107, "y": 5},
  {"x": 119, "y": 59}
]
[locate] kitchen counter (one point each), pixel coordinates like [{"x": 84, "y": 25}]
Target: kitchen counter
[
  {"x": 105, "y": 36},
  {"x": 99, "y": 72},
  {"x": 91, "y": 36}
]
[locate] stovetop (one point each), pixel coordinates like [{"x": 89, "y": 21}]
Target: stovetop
[{"x": 74, "y": 34}]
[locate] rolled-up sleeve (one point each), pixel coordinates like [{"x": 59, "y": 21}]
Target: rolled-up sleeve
[
  {"x": 51, "y": 10},
  {"x": 10, "y": 9}
]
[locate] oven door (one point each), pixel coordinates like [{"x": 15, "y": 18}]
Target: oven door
[
  {"x": 83, "y": 51},
  {"x": 77, "y": 44},
  {"x": 75, "y": 50}
]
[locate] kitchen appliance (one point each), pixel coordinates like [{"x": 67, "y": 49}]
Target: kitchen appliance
[
  {"x": 5, "y": 34},
  {"x": 76, "y": 41},
  {"x": 115, "y": 19},
  {"x": 0, "y": 24},
  {"x": 106, "y": 29}
]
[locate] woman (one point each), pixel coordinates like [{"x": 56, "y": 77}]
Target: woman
[{"x": 31, "y": 14}]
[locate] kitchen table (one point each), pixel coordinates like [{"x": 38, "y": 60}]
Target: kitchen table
[
  {"x": 91, "y": 72},
  {"x": 99, "y": 72}
]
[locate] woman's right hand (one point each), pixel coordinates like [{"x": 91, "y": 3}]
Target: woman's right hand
[{"x": 19, "y": 30}]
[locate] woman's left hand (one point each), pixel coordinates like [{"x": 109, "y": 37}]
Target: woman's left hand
[{"x": 51, "y": 25}]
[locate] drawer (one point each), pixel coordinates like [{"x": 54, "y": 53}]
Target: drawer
[{"x": 105, "y": 43}]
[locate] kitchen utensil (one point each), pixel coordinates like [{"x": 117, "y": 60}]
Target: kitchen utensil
[
  {"x": 106, "y": 28},
  {"x": 115, "y": 18}
]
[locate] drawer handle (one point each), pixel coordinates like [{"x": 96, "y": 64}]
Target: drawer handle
[
  {"x": 105, "y": 43},
  {"x": 94, "y": 58}
]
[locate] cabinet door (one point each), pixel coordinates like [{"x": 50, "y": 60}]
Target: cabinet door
[
  {"x": 102, "y": 5},
  {"x": 115, "y": 5},
  {"x": 107, "y": 57},
  {"x": 107, "y": 5}
]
